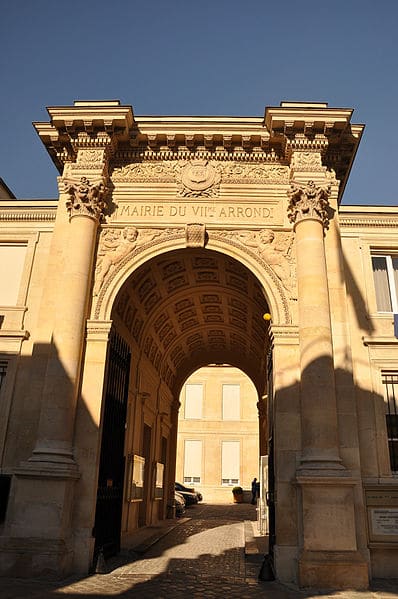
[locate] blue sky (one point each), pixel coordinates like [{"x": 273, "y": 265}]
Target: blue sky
[{"x": 219, "y": 57}]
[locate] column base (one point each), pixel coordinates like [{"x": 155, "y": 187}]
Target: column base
[
  {"x": 35, "y": 558},
  {"x": 37, "y": 533},
  {"x": 333, "y": 570}
]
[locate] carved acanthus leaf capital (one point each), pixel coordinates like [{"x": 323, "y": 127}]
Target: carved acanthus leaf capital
[
  {"x": 308, "y": 201},
  {"x": 85, "y": 198}
]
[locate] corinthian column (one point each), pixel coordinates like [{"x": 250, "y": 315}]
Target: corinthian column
[
  {"x": 85, "y": 204},
  {"x": 308, "y": 210}
]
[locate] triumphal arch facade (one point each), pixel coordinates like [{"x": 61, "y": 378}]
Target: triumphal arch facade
[{"x": 178, "y": 242}]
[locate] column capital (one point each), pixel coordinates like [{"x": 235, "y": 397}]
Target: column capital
[
  {"x": 308, "y": 201},
  {"x": 85, "y": 198}
]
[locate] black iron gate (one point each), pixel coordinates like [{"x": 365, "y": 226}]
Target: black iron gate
[
  {"x": 108, "y": 512},
  {"x": 271, "y": 456},
  {"x": 267, "y": 571}
]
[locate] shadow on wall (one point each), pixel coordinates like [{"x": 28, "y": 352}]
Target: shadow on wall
[
  {"x": 287, "y": 401},
  {"x": 360, "y": 309}
]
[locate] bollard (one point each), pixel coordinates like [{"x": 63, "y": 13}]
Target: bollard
[
  {"x": 267, "y": 569},
  {"x": 100, "y": 567}
]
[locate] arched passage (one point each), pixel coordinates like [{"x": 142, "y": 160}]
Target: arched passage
[{"x": 177, "y": 312}]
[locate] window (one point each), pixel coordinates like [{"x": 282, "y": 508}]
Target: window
[
  {"x": 230, "y": 462},
  {"x": 193, "y": 461},
  {"x": 231, "y": 402},
  {"x": 385, "y": 273},
  {"x": 390, "y": 382},
  {"x": 192, "y": 479},
  {"x": 193, "y": 401},
  {"x": 12, "y": 261}
]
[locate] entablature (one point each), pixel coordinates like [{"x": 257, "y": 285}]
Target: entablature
[{"x": 286, "y": 130}]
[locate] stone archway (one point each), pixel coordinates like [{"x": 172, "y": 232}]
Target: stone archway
[
  {"x": 178, "y": 311},
  {"x": 135, "y": 192}
]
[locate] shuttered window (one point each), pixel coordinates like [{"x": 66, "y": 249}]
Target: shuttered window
[
  {"x": 193, "y": 401},
  {"x": 230, "y": 462},
  {"x": 193, "y": 461}
]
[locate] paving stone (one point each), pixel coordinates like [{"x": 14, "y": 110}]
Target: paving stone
[{"x": 201, "y": 557}]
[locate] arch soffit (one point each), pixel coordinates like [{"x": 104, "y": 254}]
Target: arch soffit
[{"x": 271, "y": 285}]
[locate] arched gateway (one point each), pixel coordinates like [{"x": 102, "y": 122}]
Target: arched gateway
[{"x": 173, "y": 236}]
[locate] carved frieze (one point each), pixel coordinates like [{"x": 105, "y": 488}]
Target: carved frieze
[
  {"x": 142, "y": 172},
  {"x": 91, "y": 158},
  {"x": 307, "y": 161},
  {"x": 86, "y": 198},
  {"x": 309, "y": 201},
  {"x": 233, "y": 172},
  {"x": 200, "y": 177}
]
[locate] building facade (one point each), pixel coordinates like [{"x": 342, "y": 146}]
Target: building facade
[
  {"x": 218, "y": 432},
  {"x": 169, "y": 241}
]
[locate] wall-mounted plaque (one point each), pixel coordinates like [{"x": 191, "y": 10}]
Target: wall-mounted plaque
[
  {"x": 382, "y": 508},
  {"x": 159, "y": 474},
  {"x": 137, "y": 478}
]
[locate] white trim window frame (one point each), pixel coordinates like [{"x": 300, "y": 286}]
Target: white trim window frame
[{"x": 382, "y": 276}]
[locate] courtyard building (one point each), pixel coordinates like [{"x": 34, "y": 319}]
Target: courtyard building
[
  {"x": 177, "y": 243},
  {"x": 218, "y": 433}
]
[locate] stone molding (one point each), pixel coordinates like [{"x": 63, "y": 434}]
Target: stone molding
[
  {"x": 308, "y": 201},
  {"x": 97, "y": 330},
  {"x": 220, "y": 154},
  {"x": 284, "y": 334},
  {"x": 351, "y": 221},
  {"x": 29, "y": 215}
]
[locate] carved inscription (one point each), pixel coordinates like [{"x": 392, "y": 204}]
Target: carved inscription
[{"x": 185, "y": 213}]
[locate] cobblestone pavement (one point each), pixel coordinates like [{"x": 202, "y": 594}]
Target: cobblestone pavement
[{"x": 202, "y": 557}]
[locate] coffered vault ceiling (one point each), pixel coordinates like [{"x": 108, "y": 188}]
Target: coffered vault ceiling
[{"x": 192, "y": 307}]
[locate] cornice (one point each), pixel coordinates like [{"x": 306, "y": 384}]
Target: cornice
[
  {"x": 27, "y": 213},
  {"x": 366, "y": 222},
  {"x": 309, "y": 118},
  {"x": 380, "y": 341},
  {"x": 289, "y": 128},
  {"x": 220, "y": 154}
]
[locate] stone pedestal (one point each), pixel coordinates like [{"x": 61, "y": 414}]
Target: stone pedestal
[{"x": 329, "y": 556}]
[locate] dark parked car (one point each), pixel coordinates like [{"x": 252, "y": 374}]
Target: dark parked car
[
  {"x": 179, "y": 503},
  {"x": 183, "y": 489}
]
